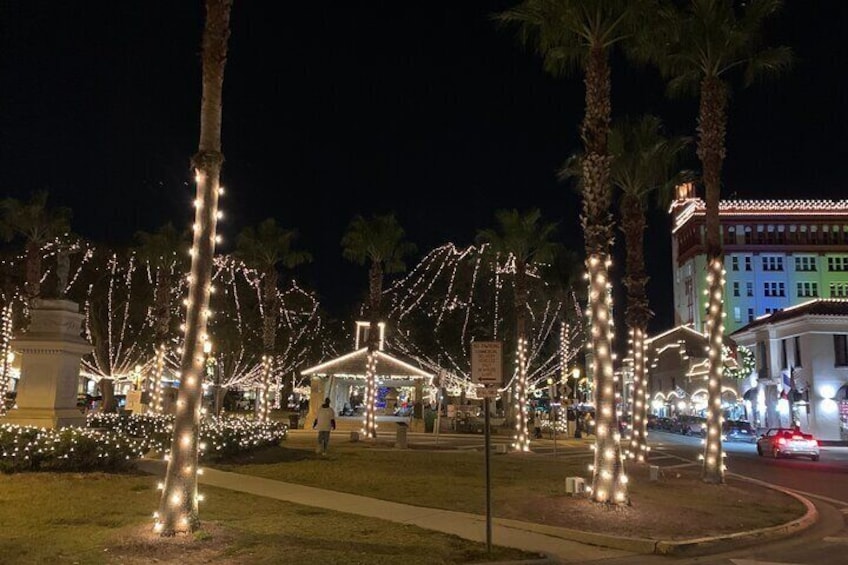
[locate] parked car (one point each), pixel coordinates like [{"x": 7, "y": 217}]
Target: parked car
[
  {"x": 652, "y": 422},
  {"x": 786, "y": 442},
  {"x": 690, "y": 425},
  {"x": 664, "y": 424},
  {"x": 738, "y": 430}
]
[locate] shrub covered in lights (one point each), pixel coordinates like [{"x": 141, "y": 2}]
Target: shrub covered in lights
[
  {"x": 25, "y": 448},
  {"x": 219, "y": 437},
  {"x": 112, "y": 442}
]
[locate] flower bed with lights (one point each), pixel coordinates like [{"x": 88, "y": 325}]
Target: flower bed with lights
[
  {"x": 112, "y": 442},
  {"x": 26, "y": 448},
  {"x": 222, "y": 437}
]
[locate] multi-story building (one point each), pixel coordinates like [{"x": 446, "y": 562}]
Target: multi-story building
[
  {"x": 777, "y": 253},
  {"x": 802, "y": 350}
]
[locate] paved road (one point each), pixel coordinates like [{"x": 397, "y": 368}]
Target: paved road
[
  {"x": 826, "y": 478},
  {"x": 824, "y": 481}
]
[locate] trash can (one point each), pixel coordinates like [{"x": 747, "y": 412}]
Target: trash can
[
  {"x": 400, "y": 439},
  {"x": 293, "y": 421},
  {"x": 654, "y": 472}
]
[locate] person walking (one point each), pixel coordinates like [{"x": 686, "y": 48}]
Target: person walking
[
  {"x": 324, "y": 423},
  {"x": 537, "y": 425}
]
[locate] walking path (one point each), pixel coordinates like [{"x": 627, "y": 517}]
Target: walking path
[{"x": 526, "y": 536}]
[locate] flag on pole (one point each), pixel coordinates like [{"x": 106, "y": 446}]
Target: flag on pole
[{"x": 787, "y": 380}]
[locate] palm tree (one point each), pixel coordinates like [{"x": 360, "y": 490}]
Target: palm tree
[
  {"x": 701, "y": 46},
  {"x": 522, "y": 240},
  {"x": 581, "y": 34},
  {"x": 643, "y": 163},
  {"x": 561, "y": 279},
  {"x": 178, "y": 505},
  {"x": 380, "y": 242},
  {"x": 38, "y": 225},
  {"x": 160, "y": 251},
  {"x": 263, "y": 249}
]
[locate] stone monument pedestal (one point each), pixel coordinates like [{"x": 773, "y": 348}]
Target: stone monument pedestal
[{"x": 50, "y": 353}]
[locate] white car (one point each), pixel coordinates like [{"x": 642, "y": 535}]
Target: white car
[{"x": 786, "y": 442}]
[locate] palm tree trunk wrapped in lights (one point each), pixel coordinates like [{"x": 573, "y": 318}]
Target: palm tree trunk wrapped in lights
[
  {"x": 609, "y": 482},
  {"x": 712, "y": 124},
  {"x": 369, "y": 421},
  {"x": 159, "y": 251},
  {"x": 156, "y": 395},
  {"x": 523, "y": 240},
  {"x": 5, "y": 349},
  {"x": 573, "y": 34},
  {"x": 521, "y": 437},
  {"x": 644, "y": 163},
  {"x": 702, "y": 44},
  {"x": 263, "y": 404},
  {"x": 639, "y": 433},
  {"x": 162, "y": 300},
  {"x": 375, "y": 293},
  {"x": 178, "y": 510},
  {"x": 263, "y": 248},
  {"x": 380, "y": 241},
  {"x": 269, "y": 340},
  {"x": 637, "y": 315}
]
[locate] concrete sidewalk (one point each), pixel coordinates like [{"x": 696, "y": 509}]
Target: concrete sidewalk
[{"x": 526, "y": 536}]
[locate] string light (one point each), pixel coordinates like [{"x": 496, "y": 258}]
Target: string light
[
  {"x": 608, "y": 484},
  {"x": 713, "y": 469},
  {"x": 443, "y": 293}
]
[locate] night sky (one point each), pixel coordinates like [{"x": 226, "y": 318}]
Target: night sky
[{"x": 338, "y": 108}]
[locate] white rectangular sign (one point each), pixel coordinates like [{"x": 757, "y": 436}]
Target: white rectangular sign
[
  {"x": 490, "y": 391},
  {"x": 487, "y": 362}
]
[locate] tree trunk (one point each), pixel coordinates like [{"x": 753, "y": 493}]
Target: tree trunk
[
  {"x": 375, "y": 292},
  {"x": 609, "y": 483},
  {"x": 638, "y": 315},
  {"x": 521, "y": 436},
  {"x": 108, "y": 404},
  {"x": 163, "y": 318},
  {"x": 5, "y": 348},
  {"x": 712, "y": 124},
  {"x": 269, "y": 338},
  {"x": 178, "y": 505},
  {"x": 32, "y": 284}
]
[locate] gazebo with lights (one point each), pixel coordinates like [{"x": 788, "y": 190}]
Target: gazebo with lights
[{"x": 336, "y": 379}]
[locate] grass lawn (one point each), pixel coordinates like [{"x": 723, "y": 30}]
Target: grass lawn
[
  {"x": 525, "y": 487},
  {"x": 101, "y": 518}
]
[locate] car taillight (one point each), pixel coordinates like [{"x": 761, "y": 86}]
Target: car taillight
[{"x": 782, "y": 441}]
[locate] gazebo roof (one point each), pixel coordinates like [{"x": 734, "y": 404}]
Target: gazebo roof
[{"x": 352, "y": 366}]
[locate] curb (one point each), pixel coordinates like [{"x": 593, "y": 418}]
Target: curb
[
  {"x": 739, "y": 539},
  {"x": 692, "y": 546}
]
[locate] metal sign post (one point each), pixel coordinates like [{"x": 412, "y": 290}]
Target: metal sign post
[
  {"x": 487, "y": 369},
  {"x": 554, "y": 411},
  {"x": 438, "y": 405},
  {"x": 488, "y": 480}
]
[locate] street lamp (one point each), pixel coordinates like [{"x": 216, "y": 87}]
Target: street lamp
[{"x": 575, "y": 373}]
